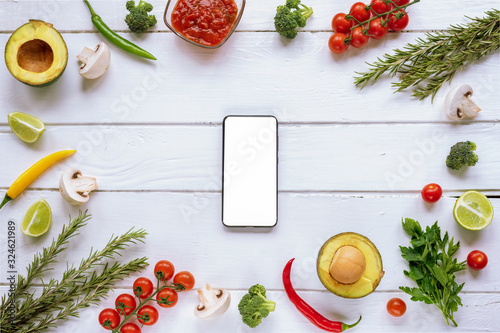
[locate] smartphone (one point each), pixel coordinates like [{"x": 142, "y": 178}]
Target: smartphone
[{"x": 250, "y": 171}]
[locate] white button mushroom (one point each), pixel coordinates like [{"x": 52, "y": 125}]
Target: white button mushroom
[
  {"x": 213, "y": 302},
  {"x": 75, "y": 188},
  {"x": 458, "y": 104},
  {"x": 94, "y": 62}
]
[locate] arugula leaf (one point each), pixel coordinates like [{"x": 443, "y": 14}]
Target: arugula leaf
[{"x": 432, "y": 267}]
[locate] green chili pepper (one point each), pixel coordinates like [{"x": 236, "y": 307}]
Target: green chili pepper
[{"x": 116, "y": 39}]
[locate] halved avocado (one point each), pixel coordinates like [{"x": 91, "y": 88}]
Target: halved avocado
[
  {"x": 359, "y": 272},
  {"x": 36, "y": 53}
]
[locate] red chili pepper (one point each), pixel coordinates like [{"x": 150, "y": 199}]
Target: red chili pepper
[{"x": 314, "y": 316}]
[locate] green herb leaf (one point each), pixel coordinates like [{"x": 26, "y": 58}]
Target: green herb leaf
[{"x": 432, "y": 268}]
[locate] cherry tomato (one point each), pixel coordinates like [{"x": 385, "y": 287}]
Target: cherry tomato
[
  {"x": 396, "y": 307},
  {"x": 130, "y": 328},
  {"x": 147, "y": 315},
  {"x": 358, "y": 38},
  {"x": 477, "y": 260},
  {"x": 398, "y": 24},
  {"x": 109, "y": 319},
  {"x": 341, "y": 24},
  {"x": 125, "y": 304},
  {"x": 431, "y": 193},
  {"x": 143, "y": 287},
  {"x": 401, "y": 2},
  {"x": 337, "y": 44},
  {"x": 358, "y": 10},
  {"x": 166, "y": 268},
  {"x": 169, "y": 296},
  {"x": 377, "y": 30},
  {"x": 185, "y": 278},
  {"x": 380, "y": 7}
]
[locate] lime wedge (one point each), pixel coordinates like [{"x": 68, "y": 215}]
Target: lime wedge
[
  {"x": 37, "y": 220},
  {"x": 26, "y": 127},
  {"x": 473, "y": 211}
]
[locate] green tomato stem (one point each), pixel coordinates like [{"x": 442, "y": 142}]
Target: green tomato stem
[
  {"x": 384, "y": 22},
  {"x": 174, "y": 286}
]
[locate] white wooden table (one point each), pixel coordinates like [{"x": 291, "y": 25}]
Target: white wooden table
[{"x": 350, "y": 160}]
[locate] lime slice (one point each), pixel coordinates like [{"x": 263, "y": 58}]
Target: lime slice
[
  {"x": 473, "y": 211},
  {"x": 37, "y": 220},
  {"x": 26, "y": 127}
]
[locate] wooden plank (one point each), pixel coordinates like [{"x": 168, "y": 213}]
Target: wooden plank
[
  {"x": 299, "y": 82},
  {"x": 474, "y": 316},
  {"x": 186, "y": 229},
  {"x": 73, "y": 15},
  {"x": 373, "y": 157}
]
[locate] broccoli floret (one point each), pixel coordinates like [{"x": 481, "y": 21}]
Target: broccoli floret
[
  {"x": 291, "y": 16},
  {"x": 255, "y": 306},
  {"x": 462, "y": 154},
  {"x": 139, "y": 19}
]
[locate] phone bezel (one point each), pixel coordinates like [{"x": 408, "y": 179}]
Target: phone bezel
[{"x": 223, "y": 159}]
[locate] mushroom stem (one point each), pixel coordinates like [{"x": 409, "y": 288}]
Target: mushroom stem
[
  {"x": 85, "y": 55},
  {"x": 467, "y": 108},
  {"x": 84, "y": 185}
]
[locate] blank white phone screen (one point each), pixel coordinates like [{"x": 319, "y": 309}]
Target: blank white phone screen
[{"x": 250, "y": 171}]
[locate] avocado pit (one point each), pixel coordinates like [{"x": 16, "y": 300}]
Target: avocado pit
[
  {"x": 348, "y": 264},
  {"x": 35, "y": 56}
]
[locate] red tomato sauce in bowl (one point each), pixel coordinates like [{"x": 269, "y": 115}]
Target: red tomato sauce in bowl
[{"x": 205, "y": 22}]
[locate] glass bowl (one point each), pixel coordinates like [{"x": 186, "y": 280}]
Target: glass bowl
[{"x": 167, "y": 18}]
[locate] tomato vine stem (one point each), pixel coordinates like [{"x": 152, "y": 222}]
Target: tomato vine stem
[
  {"x": 396, "y": 9},
  {"x": 174, "y": 286}
]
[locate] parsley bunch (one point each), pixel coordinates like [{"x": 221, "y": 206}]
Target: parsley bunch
[{"x": 432, "y": 268}]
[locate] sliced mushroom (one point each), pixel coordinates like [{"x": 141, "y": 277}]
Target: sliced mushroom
[
  {"x": 213, "y": 302},
  {"x": 75, "y": 188},
  {"x": 458, "y": 105},
  {"x": 94, "y": 62}
]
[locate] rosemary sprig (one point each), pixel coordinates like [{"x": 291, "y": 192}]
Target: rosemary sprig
[
  {"x": 78, "y": 288},
  {"x": 430, "y": 62},
  {"x": 42, "y": 260},
  {"x": 94, "y": 290}
]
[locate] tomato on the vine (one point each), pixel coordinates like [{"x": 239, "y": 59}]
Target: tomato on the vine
[
  {"x": 377, "y": 30},
  {"x": 166, "y": 268},
  {"x": 358, "y": 38},
  {"x": 477, "y": 260},
  {"x": 341, "y": 24},
  {"x": 396, "y": 307},
  {"x": 337, "y": 44},
  {"x": 184, "y": 278},
  {"x": 169, "y": 296},
  {"x": 130, "y": 328},
  {"x": 380, "y": 7},
  {"x": 401, "y": 2},
  {"x": 125, "y": 304},
  {"x": 431, "y": 193},
  {"x": 396, "y": 24},
  {"x": 359, "y": 12},
  {"x": 109, "y": 319},
  {"x": 143, "y": 287},
  {"x": 147, "y": 315}
]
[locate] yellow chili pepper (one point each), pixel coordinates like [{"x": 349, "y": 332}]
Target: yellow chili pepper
[{"x": 32, "y": 173}]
